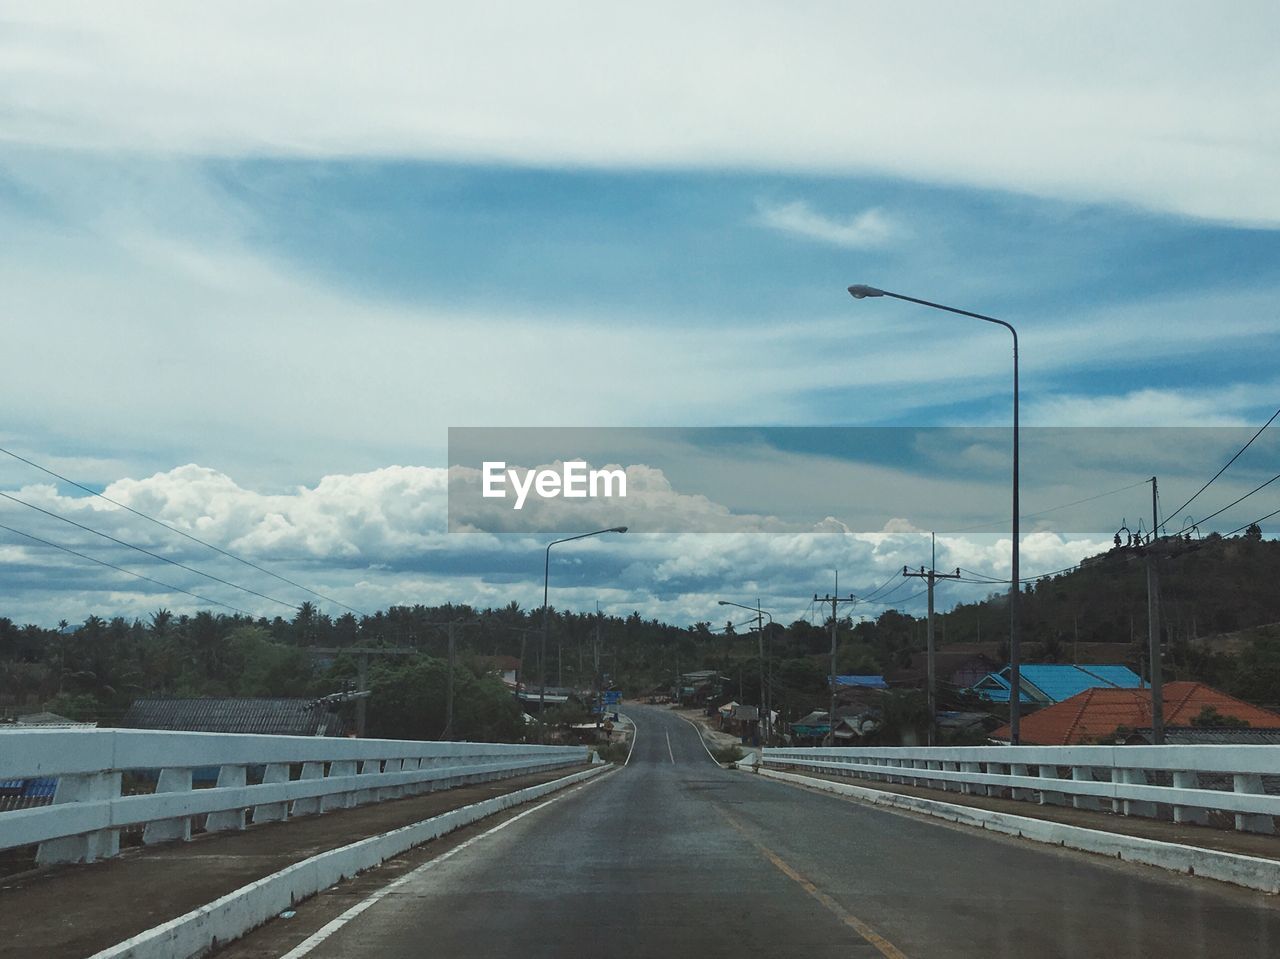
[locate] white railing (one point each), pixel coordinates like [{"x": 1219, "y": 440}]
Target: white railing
[
  {"x": 1185, "y": 783},
  {"x": 110, "y": 780}
]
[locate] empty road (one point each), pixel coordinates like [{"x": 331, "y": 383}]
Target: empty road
[{"x": 673, "y": 856}]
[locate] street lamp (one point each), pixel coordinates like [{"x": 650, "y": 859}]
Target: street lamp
[
  {"x": 760, "y": 615},
  {"x": 859, "y": 292},
  {"x": 542, "y": 654}
]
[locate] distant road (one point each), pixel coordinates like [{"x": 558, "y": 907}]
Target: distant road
[{"x": 673, "y": 856}]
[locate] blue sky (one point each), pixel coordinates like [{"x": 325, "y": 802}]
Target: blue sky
[{"x": 283, "y": 262}]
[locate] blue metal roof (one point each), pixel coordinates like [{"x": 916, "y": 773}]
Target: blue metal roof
[
  {"x": 1054, "y": 682},
  {"x": 870, "y": 682}
]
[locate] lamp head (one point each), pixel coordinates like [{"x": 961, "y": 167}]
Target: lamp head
[
  {"x": 859, "y": 292},
  {"x": 616, "y": 529}
]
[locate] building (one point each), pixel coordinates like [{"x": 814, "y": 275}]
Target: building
[
  {"x": 275, "y": 717},
  {"x": 859, "y": 682},
  {"x": 1046, "y": 683},
  {"x": 1108, "y": 715},
  {"x": 506, "y": 667}
]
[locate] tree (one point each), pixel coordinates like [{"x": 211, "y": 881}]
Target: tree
[{"x": 1253, "y": 533}]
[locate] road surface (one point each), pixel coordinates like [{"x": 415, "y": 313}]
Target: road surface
[{"x": 673, "y": 856}]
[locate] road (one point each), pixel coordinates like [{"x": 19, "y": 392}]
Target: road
[{"x": 673, "y": 856}]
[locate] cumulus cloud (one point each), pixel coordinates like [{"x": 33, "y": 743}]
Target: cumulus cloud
[
  {"x": 378, "y": 538},
  {"x": 866, "y": 230}
]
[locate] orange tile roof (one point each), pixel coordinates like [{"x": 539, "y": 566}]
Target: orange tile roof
[{"x": 1094, "y": 715}]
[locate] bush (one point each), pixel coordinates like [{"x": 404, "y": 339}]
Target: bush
[
  {"x": 726, "y": 754},
  {"x": 614, "y": 752}
]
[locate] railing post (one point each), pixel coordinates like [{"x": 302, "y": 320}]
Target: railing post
[
  {"x": 342, "y": 800},
  {"x": 1019, "y": 792},
  {"x": 369, "y": 767},
  {"x": 165, "y": 830},
  {"x": 391, "y": 792},
  {"x": 275, "y": 811},
  {"x": 1084, "y": 774},
  {"x": 1051, "y": 797},
  {"x": 1188, "y": 779},
  {"x": 995, "y": 769},
  {"x": 968, "y": 788},
  {"x": 1252, "y": 822},
  {"x": 1132, "y": 807},
  {"x": 311, "y": 804},
  {"x": 101, "y": 844},
  {"x": 228, "y": 818}
]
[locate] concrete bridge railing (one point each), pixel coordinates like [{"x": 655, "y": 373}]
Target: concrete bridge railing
[
  {"x": 109, "y": 780},
  {"x": 1186, "y": 783}
]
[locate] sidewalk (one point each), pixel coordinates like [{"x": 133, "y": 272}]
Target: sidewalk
[
  {"x": 68, "y": 912},
  {"x": 1186, "y": 834}
]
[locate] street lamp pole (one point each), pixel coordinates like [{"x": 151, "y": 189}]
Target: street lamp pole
[
  {"x": 760, "y": 615},
  {"x": 542, "y": 654},
  {"x": 859, "y": 292}
]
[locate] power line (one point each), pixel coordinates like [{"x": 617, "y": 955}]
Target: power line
[
  {"x": 1228, "y": 463},
  {"x": 1205, "y": 519},
  {"x": 174, "y": 529},
  {"x": 163, "y": 559},
  {"x": 102, "y": 562},
  {"x": 892, "y": 578},
  {"x": 1254, "y": 523},
  {"x": 1051, "y": 509}
]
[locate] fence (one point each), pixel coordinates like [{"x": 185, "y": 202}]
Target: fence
[
  {"x": 1189, "y": 784},
  {"x": 113, "y": 780}
]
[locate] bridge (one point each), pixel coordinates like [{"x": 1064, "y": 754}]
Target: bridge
[{"x": 840, "y": 852}]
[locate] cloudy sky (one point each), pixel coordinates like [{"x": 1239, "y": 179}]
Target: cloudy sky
[{"x": 259, "y": 258}]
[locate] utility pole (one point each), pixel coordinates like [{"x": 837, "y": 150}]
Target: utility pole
[
  {"x": 362, "y": 654},
  {"x": 834, "y": 600},
  {"x": 1153, "y": 625},
  {"x": 448, "y": 696},
  {"x": 932, "y": 576}
]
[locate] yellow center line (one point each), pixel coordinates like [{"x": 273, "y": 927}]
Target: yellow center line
[{"x": 885, "y": 947}]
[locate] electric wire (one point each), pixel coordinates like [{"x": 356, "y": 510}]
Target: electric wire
[
  {"x": 1205, "y": 519},
  {"x": 174, "y": 529},
  {"x": 1228, "y": 463},
  {"x": 102, "y": 562},
  {"x": 1051, "y": 509},
  {"x": 1254, "y": 523},
  {"x": 147, "y": 552}
]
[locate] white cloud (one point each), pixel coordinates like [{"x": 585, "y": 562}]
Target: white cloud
[
  {"x": 1168, "y": 105},
  {"x": 867, "y": 230},
  {"x": 1206, "y": 406}
]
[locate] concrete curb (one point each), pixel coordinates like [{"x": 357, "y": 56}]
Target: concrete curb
[
  {"x": 1248, "y": 871},
  {"x": 248, "y": 907}
]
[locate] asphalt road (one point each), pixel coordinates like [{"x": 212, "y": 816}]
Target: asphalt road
[{"x": 673, "y": 856}]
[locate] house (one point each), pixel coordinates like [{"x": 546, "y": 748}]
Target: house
[
  {"x": 1097, "y": 715},
  {"x": 701, "y": 686},
  {"x": 852, "y": 723},
  {"x": 275, "y": 717},
  {"x": 532, "y": 697},
  {"x": 45, "y": 720},
  {"x": 1046, "y": 683},
  {"x": 507, "y": 667}
]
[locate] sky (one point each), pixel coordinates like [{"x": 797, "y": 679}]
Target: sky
[{"x": 259, "y": 259}]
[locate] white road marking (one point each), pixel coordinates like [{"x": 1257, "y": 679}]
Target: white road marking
[
  {"x": 635, "y": 732},
  {"x": 329, "y": 928},
  {"x": 701, "y": 738},
  {"x": 669, "y": 752}
]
